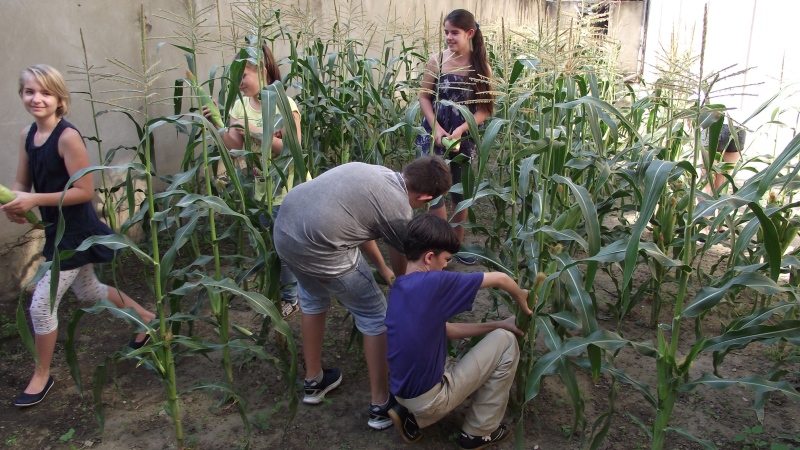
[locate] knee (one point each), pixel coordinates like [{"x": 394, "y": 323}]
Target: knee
[
  {"x": 90, "y": 292},
  {"x": 507, "y": 342},
  {"x": 44, "y": 320}
]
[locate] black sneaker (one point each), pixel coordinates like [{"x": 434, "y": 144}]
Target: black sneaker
[
  {"x": 315, "y": 391},
  {"x": 468, "y": 441},
  {"x": 379, "y": 417},
  {"x": 405, "y": 423}
]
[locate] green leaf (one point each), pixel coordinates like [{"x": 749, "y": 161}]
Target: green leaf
[
  {"x": 771, "y": 241},
  {"x": 755, "y": 383},
  {"x": 708, "y": 445},
  {"x": 786, "y": 329},
  {"x": 485, "y": 254},
  {"x": 547, "y": 364},
  {"x": 577, "y": 294},
  {"x": 708, "y": 297}
]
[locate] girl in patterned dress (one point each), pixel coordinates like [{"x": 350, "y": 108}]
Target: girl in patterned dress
[{"x": 463, "y": 79}]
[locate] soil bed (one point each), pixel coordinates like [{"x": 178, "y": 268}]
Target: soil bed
[{"x": 135, "y": 417}]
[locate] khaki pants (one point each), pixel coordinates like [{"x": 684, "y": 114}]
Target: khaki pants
[{"x": 486, "y": 373}]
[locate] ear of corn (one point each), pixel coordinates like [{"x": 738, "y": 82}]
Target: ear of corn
[
  {"x": 6, "y": 196},
  {"x": 451, "y": 144},
  {"x": 205, "y": 99}
]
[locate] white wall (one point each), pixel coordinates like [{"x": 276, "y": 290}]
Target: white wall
[{"x": 756, "y": 34}]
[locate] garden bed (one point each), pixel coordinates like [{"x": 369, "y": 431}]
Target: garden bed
[{"x": 136, "y": 419}]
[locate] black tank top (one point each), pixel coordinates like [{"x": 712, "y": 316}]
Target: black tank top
[{"x": 49, "y": 174}]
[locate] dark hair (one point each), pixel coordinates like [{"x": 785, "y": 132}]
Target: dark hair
[
  {"x": 428, "y": 233},
  {"x": 461, "y": 18},
  {"x": 429, "y": 175},
  {"x": 270, "y": 65}
]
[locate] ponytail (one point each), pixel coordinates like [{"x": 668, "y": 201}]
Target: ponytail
[{"x": 480, "y": 64}]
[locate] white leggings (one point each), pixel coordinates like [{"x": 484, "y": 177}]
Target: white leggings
[{"x": 84, "y": 284}]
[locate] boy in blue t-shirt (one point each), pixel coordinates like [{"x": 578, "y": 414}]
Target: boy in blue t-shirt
[{"x": 420, "y": 304}]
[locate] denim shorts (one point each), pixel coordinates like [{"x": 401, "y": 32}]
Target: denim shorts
[{"x": 356, "y": 290}]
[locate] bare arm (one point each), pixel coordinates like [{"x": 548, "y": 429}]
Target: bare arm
[
  {"x": 398, "y": 260},
  {"x": 468, "y": 330},
  {"x": 72, "y": 149},
  {"x": 277, "y": 139},
  {"x": 504, "y": 282},
  {"x": 373, "y": 254}
]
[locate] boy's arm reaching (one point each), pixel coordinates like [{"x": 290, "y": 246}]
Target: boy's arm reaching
[
  {"x": 373, "y": 254},
  {"x": 398, "y": 261},
  {"x": 468, "y": 330},
  {"x": 504, "y": 282}
]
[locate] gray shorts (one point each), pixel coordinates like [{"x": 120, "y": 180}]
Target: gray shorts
[{"x": 356, "y": 290}]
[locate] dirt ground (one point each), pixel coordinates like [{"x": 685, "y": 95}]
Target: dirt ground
[{"x": 135, "y": 417}]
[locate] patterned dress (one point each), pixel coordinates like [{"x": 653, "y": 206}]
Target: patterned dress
[{"x": 457, "y": 89}]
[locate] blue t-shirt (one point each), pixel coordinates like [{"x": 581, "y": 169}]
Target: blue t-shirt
[{"x": 420, "y": 304}]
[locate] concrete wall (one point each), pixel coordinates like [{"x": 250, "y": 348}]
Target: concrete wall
[
  {"x": 48, "y": 31},
  {"x": 624, "y": 26}
]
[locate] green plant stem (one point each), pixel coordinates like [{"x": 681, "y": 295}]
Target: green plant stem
[
  {"x": 108, "y": 199},
  {"x": 166, "y": 334},
  {"x": 221, "y": 299}
]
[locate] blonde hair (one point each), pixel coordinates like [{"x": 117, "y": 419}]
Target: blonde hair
[{"x": 50, "y": 79}]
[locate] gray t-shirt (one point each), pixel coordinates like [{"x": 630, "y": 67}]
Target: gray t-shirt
[{"x": 323, "y": 221}]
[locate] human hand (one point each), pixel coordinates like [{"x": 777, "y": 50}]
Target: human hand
[
  {"x": 207, "y": 114},
  {"x": 438, "y": 134},
  {"x": 521, "y": 298},
  {"x": 14, "y": 218},
  {"x": 387, "y": 274},
  {"x": 455, "y": 136},
  {"x": 24, "y": 202},
  {"x": 510, "y": 324}
]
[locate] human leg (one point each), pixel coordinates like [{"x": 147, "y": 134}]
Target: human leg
[
  {"x": 88, "y": 288},
  {"x": 312, "y": 331},
  {"x": 287, "y": 278},
  {"x": 45, "y": 326},
  {"x": 360, "y": 294},
  {"x": 493, "y": 361},
  {"x": 315, "y": 301},
  {"x": 378, "y": 367},
  {"x": 486, "y": 373},
  {"x": 728, "y": 157}
]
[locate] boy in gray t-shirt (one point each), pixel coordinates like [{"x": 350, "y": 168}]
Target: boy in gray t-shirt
[{"x": 324, "y": 226}]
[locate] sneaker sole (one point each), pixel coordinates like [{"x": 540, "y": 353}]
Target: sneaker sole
[
  {"x": 398, "y": 423},
  {"x": 489, "y": 444},
  {"x": 467, "y": 263},
  {"x": 317, "y": 398},
  {"x": 380, "y": 424}
]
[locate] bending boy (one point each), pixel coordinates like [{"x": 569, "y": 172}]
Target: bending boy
[
  {"x": 324, "y": 226},
  {"x": 420, "y": 304}
]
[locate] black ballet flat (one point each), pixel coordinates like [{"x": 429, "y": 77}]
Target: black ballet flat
[
  {"x": 137, "y": 345},
  {"x": 25, "y": 400}
]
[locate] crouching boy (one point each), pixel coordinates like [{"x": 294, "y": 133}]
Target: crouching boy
[{"x": 420, "y": 304}]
